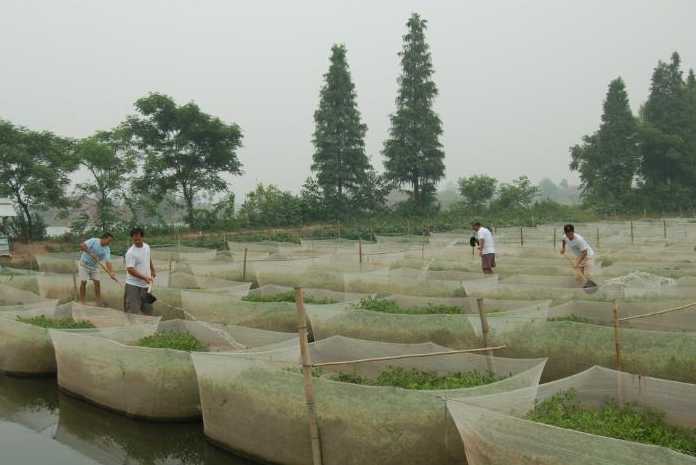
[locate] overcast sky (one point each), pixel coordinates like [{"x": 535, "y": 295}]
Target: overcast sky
[{"x": 520, "y": 81}]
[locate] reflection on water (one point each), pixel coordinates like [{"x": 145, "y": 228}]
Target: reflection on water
[{"x": 39, "y": 425}]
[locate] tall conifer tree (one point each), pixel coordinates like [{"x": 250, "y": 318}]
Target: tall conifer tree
[
  {"x": 413, "y": 152},
  {"x": 339, "y": 160}
]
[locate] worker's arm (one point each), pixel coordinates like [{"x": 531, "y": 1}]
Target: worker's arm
[
  {"x": 481, "y": 243},
  {"x": 83, "y": 247},
  {"x": 563, "y": 247},
  {"x": 153, "y": 273},
  {"x": 133, "y": 272}
]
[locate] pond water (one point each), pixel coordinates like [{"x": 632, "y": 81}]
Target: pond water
[{"x": 41, "y": 426}]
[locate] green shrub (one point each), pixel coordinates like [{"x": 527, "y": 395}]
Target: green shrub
[
  {"x": 378, "y": 304},
  {"x": 630, "y": 422},
  {"x": 288, "y": 296},
  {"x": 172, "y": 340},
  {"x": 419, "y": 379},
  {"x": 56, "y": 323}
]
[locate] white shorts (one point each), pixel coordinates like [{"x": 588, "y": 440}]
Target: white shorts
[{"x": 87, "y": 274}]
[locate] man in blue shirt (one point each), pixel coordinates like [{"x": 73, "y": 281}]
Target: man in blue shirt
[{"x": 94, "y": 250}]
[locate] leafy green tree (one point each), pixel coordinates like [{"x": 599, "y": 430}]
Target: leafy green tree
[
  {"x": 608, "y": 159},
  {"x": 668, "y": 168},
  {"x": 477, "y": 191},
  {"x": 339, "y": 160},
  {"x": 34, "y": 171},
  {"x": 413, "y": 152},
  {"x": 110, "y": 164},
  {"x": 371, "y": 194},
  {"x": 269, "y": 206},
  {"x": 312, "y": 201},
  {"x": 517, "y": 195},
  {"x": 185, "y": 150}
]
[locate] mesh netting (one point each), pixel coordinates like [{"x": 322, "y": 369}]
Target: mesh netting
[
  {"x": 359, "y": 424},
  {"x": 494, "y": 432},
  {"x": 27, "y": 349}
]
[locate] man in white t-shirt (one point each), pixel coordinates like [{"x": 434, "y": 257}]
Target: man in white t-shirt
[
  {"x": 141, "y": 274},
  {"x": 580, "y": 248},
  {"x": 486, "y": 246}
]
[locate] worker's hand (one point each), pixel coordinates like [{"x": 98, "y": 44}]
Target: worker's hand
[
  {"x": 148, "y": 280},
  {"x": 562, "y": 252},
  {"x": 112, "y": 275},
  {"x": 154, "y": 275},
  {"x": 480, "y": 252}
]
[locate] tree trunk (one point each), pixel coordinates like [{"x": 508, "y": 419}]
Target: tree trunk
[
  {"x": 188, "y": 198},
  {"x": 29, "y": 228},
  {"x": 416, "y": 192}
]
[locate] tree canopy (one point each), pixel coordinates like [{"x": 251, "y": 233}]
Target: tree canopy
[
  {"x": 477, "y": 191},
  {"x": 413, "y": 152},
  {"x": 185, "y": 150}
]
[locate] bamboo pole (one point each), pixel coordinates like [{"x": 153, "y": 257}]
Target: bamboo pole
[
  {"x": 401, "y": 357},
  {"x": 485, "y": 329},
  {"x": 308, "y": 383},
  {"x": 617, "y": 349},
  {"x": 74, "y": 282},
  {"x": 244, "y": 265},
  {"x": 660, "y": 312}
]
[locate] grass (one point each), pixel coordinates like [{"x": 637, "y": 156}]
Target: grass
[
  {"x": 629, "y": 422},
  {"x": 172, "y": 340},
  {"x": 420, "y": 380},
  {"x": 379, "y": 304},
  {"x": 287, "y": 297},
  {"x": 56, "y": 323}
]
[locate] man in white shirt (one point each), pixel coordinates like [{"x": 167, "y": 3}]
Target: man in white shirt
[
  {"x": 580, "y": 248},
  {"x": 486, "y": 246},
  {"x": 141, "y": 274}
]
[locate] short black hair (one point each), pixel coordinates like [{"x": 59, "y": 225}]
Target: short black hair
[
  {"x": 475, "y": 224},
  {"x": 107, "y": 235},
  {"x": 568, "y": 228},
  {"x": 135, "y": 231}
]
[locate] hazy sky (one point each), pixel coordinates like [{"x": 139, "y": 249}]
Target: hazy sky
[{"x": 519, "y": 81}]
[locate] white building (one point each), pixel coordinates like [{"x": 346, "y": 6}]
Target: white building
[{"x": 6, "y": 211}]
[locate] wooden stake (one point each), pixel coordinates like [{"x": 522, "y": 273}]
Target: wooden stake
[
  {"x": 246, "y": 250},
  {"x": 521, "y": 237},
  {"x": 485, "y": 329},
  {"x": 597, "y": 238},
  {"x": 664, "y": 226},
  {"x": 74, "y": 281},
  {"x": 307, "y": 371},
  {"x": 169, "y": 280},
  {"x": 617, "y": 348},
  {"x": 554, "y": 238},
  {"x": 360, "y": 250},
  {"x": 632, "y": 239}
]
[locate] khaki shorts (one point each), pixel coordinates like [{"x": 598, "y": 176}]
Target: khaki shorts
[{"x": 87, "y": 274}]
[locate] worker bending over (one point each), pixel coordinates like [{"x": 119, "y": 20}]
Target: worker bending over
[
  {"x": 581, "y": 249},
  {"x": 94, "y": 250}
]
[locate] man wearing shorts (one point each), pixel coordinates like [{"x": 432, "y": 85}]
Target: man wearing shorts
[
  {"x": 94, "y": 250},
  {"x": 141, "y": 274},
  {"x": 581, "y": 249},
  {"x": 486, "y": 246}
]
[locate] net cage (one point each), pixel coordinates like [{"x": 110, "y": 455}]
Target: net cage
[
  {"x": 494, "y": 429},
  {"x": 101, "y": 365},
  {"x": 183, "y": 254},
  {"x": 69, "y": 262},
  {"x": 26, "y": 349},
  {"x": 254, "y": 404},
  {"x": 10, "y": 295}
]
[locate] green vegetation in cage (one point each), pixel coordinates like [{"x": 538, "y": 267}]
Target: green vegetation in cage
[
  {"x": 378, "y": 304},
  {"x": 56, "y": 323},
  {"x": 572, "y": 317},
  {"x": 288, "y": 296},
  {"x": 629, "y": 422},
  {"x": 172, "y": 340},
  {"x": 421, "y": 380}
]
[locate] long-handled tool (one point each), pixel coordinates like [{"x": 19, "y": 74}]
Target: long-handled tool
[
  {"x": 103, "y": 267},
  {"x": 589, "y": 286}
]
